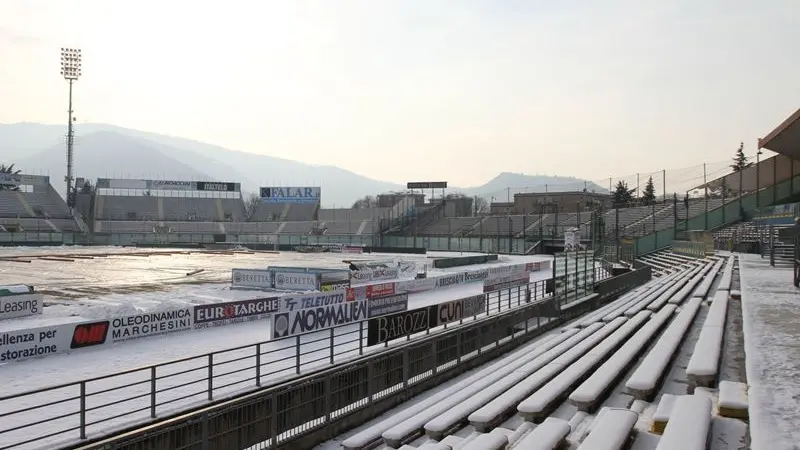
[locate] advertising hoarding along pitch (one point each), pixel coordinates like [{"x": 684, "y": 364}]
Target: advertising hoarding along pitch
[
  {"x": 35, "y": 342},
  {"x": 217, "y": 314},
  {"x": 402, "y": 324},
  {"x": 312, "y": 300},
  {"x": 12, "y": 306},
  {"x": 389, "y": 304},
  {"x": 309, "y": 320},
  {"x": 150, "y": 324},
  {"x": 396, "y": 326},
  {"x": 297, "y": 281},
  {"x": 251, "y": 278},
  {"x": 290, "y": 194}
]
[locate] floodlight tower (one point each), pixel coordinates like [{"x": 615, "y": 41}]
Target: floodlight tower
[{"x": 71, "y": 71}]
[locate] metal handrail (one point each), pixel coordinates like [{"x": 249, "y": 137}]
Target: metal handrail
[{"x": 115, "y": 401}]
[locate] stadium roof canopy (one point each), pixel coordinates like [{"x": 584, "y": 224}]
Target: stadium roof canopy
[{"x": 785, "y": 138}]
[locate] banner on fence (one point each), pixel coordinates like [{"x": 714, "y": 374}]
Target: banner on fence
[
  {"x": 35, "y": 342},
  {"x": 390, "y": 304},
  {"x": 150, "y": 324},
  {"x": 380, "y": 290},
  {"x": 214, "y": 186},
  {"x": 12, "y": 306},
  {"x": 217, "y": 314},
  {"x": 320, "y": 318},
  {"x": 171, "y": 185},
  {"x": 398, "y": 325},
  {"x": 297, "y": 281},
  {"x": 251, "y": 278}
]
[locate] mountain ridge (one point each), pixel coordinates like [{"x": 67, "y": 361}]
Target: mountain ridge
[{"x": 108, "y": 151}]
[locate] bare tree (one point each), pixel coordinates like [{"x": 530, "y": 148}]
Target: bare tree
[
  {"x": 365, "y": 202},
  {"x": 480, "y": 205},
  {"x": 251, "y": 205}
]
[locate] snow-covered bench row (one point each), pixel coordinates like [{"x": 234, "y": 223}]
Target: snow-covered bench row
[
  {"x": 663, "y": 411},
  {"x": 689, "y": 424},
  {"x": 538, "y": 405},
  {"x": 727, "y": 275},
  {"x": 414, "y": 418},
  {"x": 665, "y": 296},
  {"x": 705, "y": 286},
  {"x": 694, "y": 279},
  {"x": 589, "y": 394},
  {"x": 549, "y": 435},
  {"x": 644, "y": 381},
  {"x": 496, "y": 440},
  {"x": 733, "y": 400},
  {"x": 648, "y": 295},
  {"x": 611, "y": 430},
  {"x": 646, "y": 301},
  {"x": 476, "y": 381},
  {"x": 493, "y": 407},
  {"x": 704, "y": 363},
  {"x": 617, "y": 308}
]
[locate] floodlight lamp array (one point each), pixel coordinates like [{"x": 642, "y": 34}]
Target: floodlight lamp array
[{"x": 70, "y": 63}]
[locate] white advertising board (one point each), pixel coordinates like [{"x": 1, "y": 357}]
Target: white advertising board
[
  {"x": 151, "y": 324},
  {"x": 251, "y": 278},
  {"x": 22, "y": 305},
  {"x": 296, "y": 281},
  {"x": 319, "y": 318},
  {"x": 35, "y": 342}
]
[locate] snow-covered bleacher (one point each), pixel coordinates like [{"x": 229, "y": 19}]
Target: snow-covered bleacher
[
  {"x": 577, "y": 387},
  {"x": 702, "y": 368}
]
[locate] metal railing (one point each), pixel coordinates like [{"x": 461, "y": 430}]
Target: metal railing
[
  {"x": 51, "y": 416},
  {"x": 317, "y": 407}
]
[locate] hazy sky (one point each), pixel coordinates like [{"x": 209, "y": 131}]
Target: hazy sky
[{"x": 413, "y": 90}]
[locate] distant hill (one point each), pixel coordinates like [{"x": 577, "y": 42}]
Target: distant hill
[{"x": 109, "y": 151}]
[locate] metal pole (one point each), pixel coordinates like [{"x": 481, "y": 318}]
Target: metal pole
[
  {"x": 705, "y": 195},
  {"x": 70, "y": 141},
  {"x": 758, "y": 178},
  {"x": 664, "y": 183}
]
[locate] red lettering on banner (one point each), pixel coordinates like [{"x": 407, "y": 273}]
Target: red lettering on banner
[
  {"x": 380, "y": 290},
  {"x": 89, "y": 334}
]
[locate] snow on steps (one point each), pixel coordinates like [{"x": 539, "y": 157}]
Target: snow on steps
[
  {"x": 689, "y": 424},
  {"x": 704, "y": 363},
  {"x": 549, "y": 435},
  {"x": 444, "y": 419},
  {"x": 398, "y": 428},
  {"x": 587, "y": 396},
  {"x": 611, "y": 430},
  {"x": 644, "y": 381},
  {"x": 516, "y": 389},
  {"x": 537, "y": 405},
  {"x": 733, "y": 400},
  {"x": 477, "y": 380}
]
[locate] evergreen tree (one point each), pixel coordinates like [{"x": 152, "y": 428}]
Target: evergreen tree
[
  {"x": 649, "y": 193},
  {"x": 740, "y": 160},
  {"x": 622, "y": 196},
  {"x": 8, "y": 170}
]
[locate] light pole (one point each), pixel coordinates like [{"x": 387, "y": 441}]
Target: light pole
[
  {"x": 71, "y": 71},
  {"x": 758, "y": 178}
]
